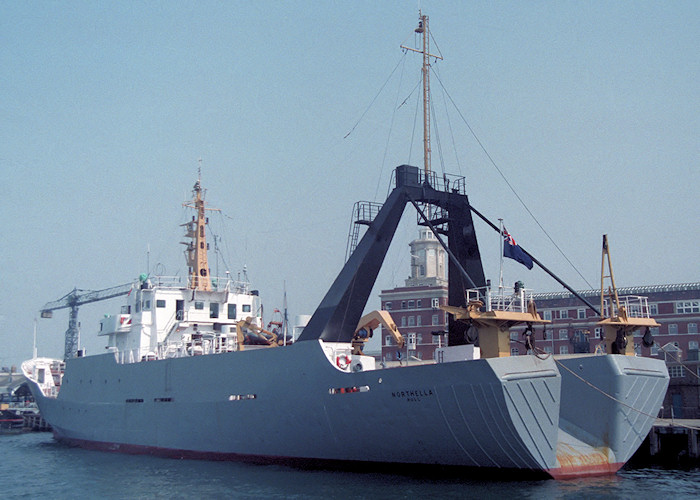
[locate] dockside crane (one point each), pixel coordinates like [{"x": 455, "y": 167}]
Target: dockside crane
[{"x": 73, "y": 300}]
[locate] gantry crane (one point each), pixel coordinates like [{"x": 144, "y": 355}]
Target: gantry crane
[{"x": 77, "y": 298}]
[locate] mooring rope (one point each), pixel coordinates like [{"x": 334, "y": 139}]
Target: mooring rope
[{"x": 622, "y": 402}]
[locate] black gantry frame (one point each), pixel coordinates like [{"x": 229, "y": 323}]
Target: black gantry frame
[{"x": 339, "y": 312}]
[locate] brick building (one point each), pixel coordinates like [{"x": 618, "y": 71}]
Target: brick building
[{"x": 415, "y": 307}]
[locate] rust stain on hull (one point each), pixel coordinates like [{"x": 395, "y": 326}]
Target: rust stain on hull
[{"x": 574, "y": 462}]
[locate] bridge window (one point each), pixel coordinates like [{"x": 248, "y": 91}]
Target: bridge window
[
  {"x": 232, "y": 311},
  {"x": 160, "y": 303},
  {"x": 214, "y": 310},
  {"x": 199, "y": 305},
  {"x": 246, "y": 308}
]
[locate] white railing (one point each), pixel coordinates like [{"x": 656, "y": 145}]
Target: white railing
[
  {"x": 636, "y": 306},
  {"x": 502, "y": 299},
  {"x": 218, "y": 283}
]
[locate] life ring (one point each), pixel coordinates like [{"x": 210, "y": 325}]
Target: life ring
[{"x": 343, "y": 361}]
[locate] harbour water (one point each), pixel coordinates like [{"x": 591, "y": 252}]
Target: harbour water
[{"x": 35, "y": 466}]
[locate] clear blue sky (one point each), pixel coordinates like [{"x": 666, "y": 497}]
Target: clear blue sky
[{"x": 590, "y": 109}]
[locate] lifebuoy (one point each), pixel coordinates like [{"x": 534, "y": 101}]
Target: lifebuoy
[{"x": 343, "y": 361}]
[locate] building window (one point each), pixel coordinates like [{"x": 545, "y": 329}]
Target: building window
[
  {"x": 387, "y": 340},
  {"x": 598, "y": 332},
  {"x": 403, "y": 304},
  {"x": 692, "y": 328},
  {"x": 672, "y": 329},
  {"x": 436, "y": 303},
  {"x": 548, "y": 349},
  {"x": 675, "y": 371},
  {"x": 411, "y": 304},
  {"x": 653, "y": 309},
  {"x": 548, "y": 334},
  {"x": 199, "y": 305},
  {"x": 403, "y": 321},
  {"x": 419, "y": 322},
  {"x": 693, "y": 345},
  {"x": 564, "y": 314},
  {"x": 513, "y": 335},
  {"x": 418, "y": 303},
  {"x": 232, "y": 311},
  {"x": 514, "y": 351},
  {"x": 563, "y": 334},
  {"x": 419, "y": 338},
  {"x": 213, "y": 309},
  {"x": 688, "y": 306},
  {"x": 581, "y": 314},
  {"x": 654, "y": 330},
  {"x": 564, "y": 349},
  {"x": 411, "y": 321},
  {"x": 436, "y": 319},
  {"x": 160, "y": 303},
  {"x": 547, "y": 315},
  {"x": 387, "y": 306}
]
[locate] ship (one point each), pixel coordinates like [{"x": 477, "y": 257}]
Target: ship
[{"x": 190, "y": 371}]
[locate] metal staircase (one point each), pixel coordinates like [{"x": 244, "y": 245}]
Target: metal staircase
[{"x": 363, "y": 214}]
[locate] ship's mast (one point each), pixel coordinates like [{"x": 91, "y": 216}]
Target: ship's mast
[
  {"x": 423, "y": 30},
  {"x": 197, "y": 258}
]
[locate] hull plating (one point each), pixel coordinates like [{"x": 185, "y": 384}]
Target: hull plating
[{"x": 499, "y": 413}]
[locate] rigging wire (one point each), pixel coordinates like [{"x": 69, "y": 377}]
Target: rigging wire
[
  {"x": 522, "y": 202},
  {"x": 452, "y": 135},
  {"x": 437, "y": 138},
  {"x": 391, "y": 128},
  {"x": 413, "y": 133},
  {"x": 375, "y": 97}
]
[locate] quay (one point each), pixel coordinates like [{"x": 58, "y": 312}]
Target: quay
[{"x": 670, "y": 442}]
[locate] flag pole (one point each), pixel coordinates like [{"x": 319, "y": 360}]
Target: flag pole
[{"x": 500, "y": 280}]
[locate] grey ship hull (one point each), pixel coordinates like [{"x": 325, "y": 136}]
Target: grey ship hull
[
  {"x": 500, "y": 413},
  {"x": 290, "y": 404},
  {"x": 608, "y": 406}
]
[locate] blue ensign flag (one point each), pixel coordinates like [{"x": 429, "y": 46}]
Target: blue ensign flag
[{"x": 513, "y": 251}]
